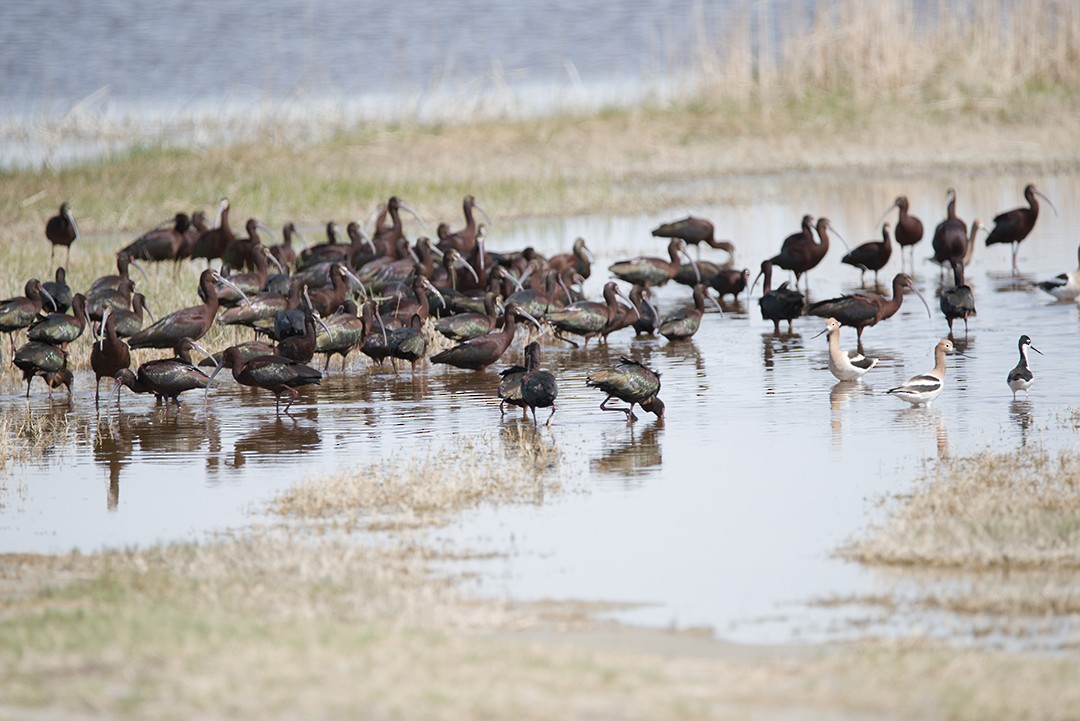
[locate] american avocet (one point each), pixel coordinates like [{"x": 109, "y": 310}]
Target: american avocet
[
  {"x": 861, "y": 310},
  {"x": 1065, "y": 286},
  {"x": 1021, "y": 377},
  {"x": 1015, "y": 225},
  {"x": 958, "y": 301},
  {"x": 781, "y": 304},
  {"x": 845, "y": 365},
  {"x": 924, "y": 388}
]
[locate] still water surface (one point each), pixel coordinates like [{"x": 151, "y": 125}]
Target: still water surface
[{"x": 725, "y": 515}]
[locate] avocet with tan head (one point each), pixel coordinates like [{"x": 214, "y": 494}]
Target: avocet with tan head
[
  {"x": 845, "y": 365},
  {"x": 925, "y": 387}
]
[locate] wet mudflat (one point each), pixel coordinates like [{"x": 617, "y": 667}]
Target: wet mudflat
[{"x": 724, "y": 515}]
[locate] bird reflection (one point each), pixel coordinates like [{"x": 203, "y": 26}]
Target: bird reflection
[
  {"x": 840, "y": 396},
  {"x": 773, "y": 344},
  {"x": 1012, "y": 281},
  {"x": 300, "y": 432},
  {"x": 921, "y": 417},
  {"x": 1020, "y": 411},
  {"x": 112, "y": 449},
  {"x": 634, "y": 455}
]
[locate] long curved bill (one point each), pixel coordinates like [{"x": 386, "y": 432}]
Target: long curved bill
[
  {"x": 226, "y": 281},
  {"x": 75, "y": 226},
  {"x": 217, "y": 369},
  {"x": 916, "y": 292},
  {"x": 528, "y": 316},
  {"x": 411, "y": 212},
  {"x": 141, "y": 271},
  {"x": 359, "y": 284},
  {"x": 149, "y": 312},
  {"x": 275, "y": 261},
  {"x": 693, "y": 263},
  {"x": 1038, "y": 193},
  {"x": 205, "y": 352},
  {"x": 832, "y": 228},
  {"x": 41, "y": 289},
  {"x": 883, "y": 215},
  {"x": 716, "y": 302},
  {"x": 482, "y": 212},
  {"x": 754, "y": 284},
  {"x": 101, "y": 335}
]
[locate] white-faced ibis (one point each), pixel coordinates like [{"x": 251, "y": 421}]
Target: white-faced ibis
[
  {"x": 478, "y": 353},
  {"x": 19, "y": 312},
  {"x": 951, "y": 235},
  {"x": 465, "y": 239},
  {"x": 683, "y": 324},
  {"x": 784, "y": 303},
  {"x": 579, "y": 260},
  {"x": 161, "y": 243},
  {"x": 61, "y": 229},
  {"x": 958, "y": 301},
  {"x": 60, "y": 328},
  {"x": 1021, "y": 377},
  {"x": 408, "y": 343},
  {"x": 250, "y": 282},
  {"x": 328, "y": 300},
  {"x": 1064, "y": 286},
  {"x": 799, "y": 252},
  {"x": 97, "y": 301},
  {"x": 212, "y": 243},
  {"x": 118, "y": 280},
  {"x": 924, "y": 388},
  {"x": 845, "y": 365},
  {"x": 59, "y": 290},
  {"x": 862, "y": 310},
  {"x": 239, "y": 254},
  {"x": 648, "y": 316},
  {"x": 109, "y": 354},
  {"x": 284, "y": 252},
  {"x": 193, "y": 322},
  {"x": 729, "y": 281},
  {"x": 375, "y": 343},
  {"x": 539, "y": 389},
  {"x": 694, "y": 231},
  {"x": 631, "y": 382},
  {"x": 1015, "y": 225},
  {"x": 129, "y": 322},
  {"x": 272, "y": 372},
  {"x": 167, "y": 378},
  {"x": 36, "y": 358},
  {"x": 909, "y": 229},
  {"x": 463, "y": 326},
  {"x": 588, "y": 318},
  {"x": 652, "y": 271},
  {"x": 340, "y": 334},
  {"x": 871, "y": 256}
]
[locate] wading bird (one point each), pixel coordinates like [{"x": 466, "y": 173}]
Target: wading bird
[
  {"x": 539, "y": 388},
  {"x": 862, "y": 310},
  {"x": 871, "y": 256},
  {"x": 845, "y": 365},
  {"x": 42, "y": 359},
  {"x": 193, "y": 322},
  {"x": 1015, "y": 225},
  {"x": 909, "y": 229},
  {"x": 652, "y": 271},
  {"x": 800, "y": 253},
  {"x": 478, "y": 353},
  {"x": 694, "y": 231},
  {"x": 1065, "y": 286},
  {"x": 61, "y": 229},
  {"x": 631, "y": 382},
  {"x": 272, "y": 372},
  {"x": 925, "y": 387},
  {"x": 1021, "y": 377},
  {"x": 784, "y": 303},
  {"x": 958, "y": 301}
]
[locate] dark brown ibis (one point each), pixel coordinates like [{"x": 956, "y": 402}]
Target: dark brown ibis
[
  {"x": 212, "y": 243},
  {"x": 122, "y": 276},
  {"x": 284, "y": 252},
  {"x": 465, "y": 239},
  {"x": 871, "y": 256},
  {"x": 684, "y": 323},
  {"x": 240, "y": 253},
  {"x": 478, "y": 353},
  {"x": 1015, "y": 225},
  {"x": 909, "y": 229},
  {"x": 250, "y": 282},
  {"x": 446, "y": 275},
  {"x": 463, "y": 326},
  {"x": 61, "y": 229},
  {"x": 784, "y": 303},
  {"x": 958, "y": 302},
  {"x": 272, "y": 372},
  {"x": 341, "y": 333},
  {"x": 539, "y": 389},
  {"x": 652, "y": 271},
  {"x": 800, "y": 253},
  {"x": 193, "y": 322},
  {"x": 248, "y": 350},
  {"x": 167, "y": 378},
  {"x": 862, "y": 310},
  {"x": 328, "y": 300},
  {"x": 161, "y": 243},
  {"x": 730, "y": 281},
  {"x": 375, "y": 343},
  {"x": 630, "y": 382},
  {"x": 59, "y": 290},
  {"x": 588, "y": 318},
  {"x": 59, "y": 329},
  {"x": 130, "y": 322},
  {"x": 509, "y": 390},
  {"x": 579, "y": 260},
  {"x": 951, "y": 235},
  {"x": 408, "y": 343},
  {"x": 109, "y": 354},
  {"x": 118, "y": 298},
  {"x": 386, "y": 237},
  {"x": 695, "y": 231},
  {"x": 648, "y": 317},
  {"x": 40, "y": 359},
  {"x": 19, "y": 312},
  {"x": 302, "y": 347}
]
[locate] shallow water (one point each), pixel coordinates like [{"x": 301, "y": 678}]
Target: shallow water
[{"x": 725, "y": 515}]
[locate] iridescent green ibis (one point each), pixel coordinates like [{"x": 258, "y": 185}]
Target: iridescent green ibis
[
  {"x": 909, "y": 229},
  {"x": 958, "y": 302},
  {"x": 61, "y": 229},
  {"x": 478, "y": 353},
  {"x": 41, "y": 359},
  {"x": 694, "y": 231},
  {"x": 109, "y": 354},
  {"x": 130, "y": 322},
  {"x": 652, "y": 271},
  {"x": 301, "y": 348},
  {"x": 272, "y": 372},
  {"x": 800, "y": 253},
  {"x": 579, "y": 260},
  {"x": 1015, "y": 225},
  {"x": 261, "y": 309},
  {"x": 784, "y": 303},
  {"x": 59, "y": 328},
  {"x": 463, "y": 326},
  {"x": 684, "y": 323},
  {"x": 212, "y": 243},
  {"x": 630, "y": 382},
  {"x": 118, "y": 280},
  {"x": 193, "y": 322},
  {"x": 161, "y": 243},
  {"x": 250, "y": 349},
  {"x": 537, "y": 302},
  {"x": 871, "y": 256},
  {"x": 862, "y": 310},
  {"x": 539, "y": 389},
  {"x": 588, "y": 318},
  {"x": 510, "y": 386},
  {"x": 59, "y": 290},
  {"x": 408, "y": 343},
  {"x": 340, "y": 334},
  {"x": 106, "y": 297},
  {"x": 19, "y": 312},
  {"x": 375, "y": 343},
  {"x": 167, "y": 378}
]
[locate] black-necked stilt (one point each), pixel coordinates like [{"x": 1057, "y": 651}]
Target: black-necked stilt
[
  {"x": 629, "y": 381},
  {"x": 1021, "y": 377},
  {"x": 1015, "y": 225},
  {"x": 845, "y": 365},
  {"x": 871, "y": 256},
  {"x": 861, "y": 310},
  {"x": 784, "y": 303},
  {"x": 925, "y": 387},
  {"x": 1065, "y": 286},
  {"x": 958, "y": 301}
]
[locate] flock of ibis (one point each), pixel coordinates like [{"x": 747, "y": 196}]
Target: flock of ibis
[{"x": 376, "y": 291}]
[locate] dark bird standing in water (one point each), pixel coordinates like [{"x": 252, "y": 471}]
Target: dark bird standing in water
[
  {"x": 1015, "y": 225},
  {"x": 631, "y": 382},
  {"x": 272, "y": 372}
]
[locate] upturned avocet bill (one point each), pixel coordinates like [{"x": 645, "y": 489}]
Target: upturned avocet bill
[{"x": 924, "y": 388}]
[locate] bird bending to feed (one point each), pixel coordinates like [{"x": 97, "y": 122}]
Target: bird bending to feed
[
  {"x": 631, "y": 382},
  {"x": 684, "y": 323},
  {"x": 1064, "y": 286},
  {"x": 845, "y": 365},
  {"x": 61, "y": 229},
  {"x": 272, "y": 372},
  {"x": 1015, "y": 225},
  {"x": 924, "y": 388},
  {"x": 694, "y": 231},
  {"x": 45, "y": 360},
  {"x": 1020, "y": 377}
]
